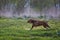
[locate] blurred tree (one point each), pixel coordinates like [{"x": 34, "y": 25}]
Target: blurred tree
[
  {"x": 40, "y": 4},
  {"x": 19, "y": 3}
]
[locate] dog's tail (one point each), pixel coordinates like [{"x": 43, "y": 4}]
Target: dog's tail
[{"x": 48, "y": 26}]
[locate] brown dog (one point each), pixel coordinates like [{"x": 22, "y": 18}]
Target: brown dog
[{"x": 36, "y": 23}]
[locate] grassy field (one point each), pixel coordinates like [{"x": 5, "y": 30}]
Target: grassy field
[{"x": 19, "y": 29}]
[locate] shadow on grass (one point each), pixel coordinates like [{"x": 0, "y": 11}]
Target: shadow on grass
[
  {"x": 46, "y": 33},
  {"x": 43, "y": 35}
]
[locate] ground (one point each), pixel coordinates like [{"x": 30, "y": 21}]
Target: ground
[{"x": 19, "y": 29}]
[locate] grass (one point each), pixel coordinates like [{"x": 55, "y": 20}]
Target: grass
[{"x": 19, "y": 29}]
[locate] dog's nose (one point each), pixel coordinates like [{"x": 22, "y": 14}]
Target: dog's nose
[{"x": 27, "y": 21}]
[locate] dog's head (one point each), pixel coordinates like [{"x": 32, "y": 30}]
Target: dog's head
[{"x": 30, "y": 21}]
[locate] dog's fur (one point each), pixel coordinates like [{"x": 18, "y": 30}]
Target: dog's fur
[{"x": 36, "y": 23}]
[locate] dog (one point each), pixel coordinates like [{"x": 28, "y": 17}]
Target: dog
[{"x": 36, "y": 23}]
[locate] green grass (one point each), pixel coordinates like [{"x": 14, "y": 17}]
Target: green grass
[{"x": 19, "y": 29}]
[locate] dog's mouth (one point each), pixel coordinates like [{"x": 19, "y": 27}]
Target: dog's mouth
[{"x": 28, "y": 22}]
